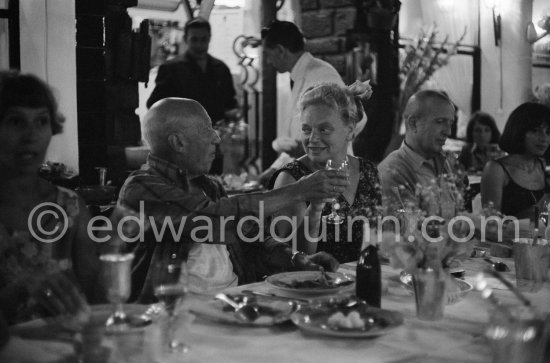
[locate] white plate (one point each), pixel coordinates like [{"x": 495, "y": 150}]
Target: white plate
[
  {"x": 314, "y": 319},
  {"x": 271, "y": 311},
  {"x": 287, "y": 280}
]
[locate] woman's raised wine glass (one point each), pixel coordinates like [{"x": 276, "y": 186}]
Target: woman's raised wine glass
[
  {"x": 334, "y": 217},
  {"x": 116, "y": 269},
  {"x": 170, "y": 284}
]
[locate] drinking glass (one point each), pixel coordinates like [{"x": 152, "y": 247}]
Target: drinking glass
[
  {"x": 334, "y": 217},
  {"x": 116, "y": 269},
  {"x": 543, "y": 216},
  {"x": 429, "y": 293},
  {"x": 170, "y": 286},
  {"x": 517, "y": 338}
]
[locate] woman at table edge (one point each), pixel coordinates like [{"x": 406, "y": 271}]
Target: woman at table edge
[
  {"x": 328, "y": 113},
  {"x": 35, "y": 274},
  {"x": 516, "y": 183}
]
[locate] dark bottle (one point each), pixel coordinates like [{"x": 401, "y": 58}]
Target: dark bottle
[{"x": 368, "y": 284}]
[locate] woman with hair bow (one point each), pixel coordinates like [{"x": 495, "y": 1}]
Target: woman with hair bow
[{"x": 328, "y": 114}]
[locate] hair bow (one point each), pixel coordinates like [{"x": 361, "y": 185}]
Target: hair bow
[{"x": 363, "y": 90}]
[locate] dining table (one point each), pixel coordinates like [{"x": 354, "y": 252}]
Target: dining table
[{"x": 458, "y": 337}]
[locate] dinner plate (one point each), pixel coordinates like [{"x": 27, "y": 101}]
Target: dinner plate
[
  {"x": 61, "y": 327},
  {"x": 464, "y": 286},
  {"x": 309, "y": 282},
  {"x": 271, "y": 311},
  {"x": 315, "y": 319}
]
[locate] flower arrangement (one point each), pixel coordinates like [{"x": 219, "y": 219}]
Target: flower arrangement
[
  {"x": 429, "y": 245},
  {"x": 442, "y": 196},
  {"x": 424, "y": 240},
  {"x": 419, "y": 61}
]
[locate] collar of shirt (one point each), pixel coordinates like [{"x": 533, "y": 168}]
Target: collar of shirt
[
  {"x": 169, "y": 171},
  {"x": 299, "y": 69},
  {"x": 437, "y": 163}
]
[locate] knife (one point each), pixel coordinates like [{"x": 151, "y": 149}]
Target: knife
[{"x": 273, "y": 296}]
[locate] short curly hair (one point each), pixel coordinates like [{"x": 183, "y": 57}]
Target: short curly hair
[
  {"x": 337, "y": 97},
  {"x": 526, "y": 117},
  {"x": 484, "y": 119},
  {"x": 26, "y": 90}
]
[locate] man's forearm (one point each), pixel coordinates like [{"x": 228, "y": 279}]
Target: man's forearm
[{"x": 274, "y": 200}]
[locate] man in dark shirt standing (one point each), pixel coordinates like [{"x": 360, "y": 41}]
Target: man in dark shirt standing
[
  {"x": 200, "y": 77},
  {"x": 197, "y": 75}
]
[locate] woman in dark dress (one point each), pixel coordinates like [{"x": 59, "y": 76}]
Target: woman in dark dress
[
  {"x": 517, "y": 182},
  {"x": 328, "y": 114}
]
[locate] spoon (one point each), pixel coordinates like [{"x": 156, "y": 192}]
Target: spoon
[{"x": 244, "y": 312}]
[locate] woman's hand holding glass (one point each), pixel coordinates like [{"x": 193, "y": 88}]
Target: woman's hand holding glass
[{"x": 334, "y": 217}]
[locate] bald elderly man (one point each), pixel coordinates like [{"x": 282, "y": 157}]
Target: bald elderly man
[
  {"x": 173, "y": 186},
  {"x": 428, "y": 118}
]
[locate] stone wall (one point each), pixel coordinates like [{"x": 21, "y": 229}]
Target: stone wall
[{"x": 325, "y": 24}]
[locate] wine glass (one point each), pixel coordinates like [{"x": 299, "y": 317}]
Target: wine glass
[
  {"x": 116, "y": 268},
  {"x": 334, "y": 217},
  {"x": 170, "y": 287}
]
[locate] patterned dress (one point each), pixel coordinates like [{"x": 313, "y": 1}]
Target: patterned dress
[
  {"x": 367, "y": 199},
  {"x": 22, "y": 256}
]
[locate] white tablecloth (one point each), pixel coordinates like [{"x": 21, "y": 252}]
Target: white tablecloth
[{"x": 458, "y": 337}]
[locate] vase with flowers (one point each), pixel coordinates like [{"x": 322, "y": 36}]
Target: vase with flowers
[{"x": 429, "y": 242}]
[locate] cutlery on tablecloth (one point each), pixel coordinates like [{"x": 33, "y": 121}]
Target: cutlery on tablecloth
[
  {"x": 245, "y": 312},
  {"x": 273, "y": 296}
]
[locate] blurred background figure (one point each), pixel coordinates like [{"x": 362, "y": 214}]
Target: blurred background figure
[
  {"x": 37, "y": 271},
  {"x": 482, "y": 136},
  {"x": 199, "y": 76}
]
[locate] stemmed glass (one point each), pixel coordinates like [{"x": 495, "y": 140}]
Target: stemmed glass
[
  {"x": 170, "y": 286},
  {"x": 334, "y": 217},
  {"x": 116, "y": 268},
  {"x": 543, "y": 216}
]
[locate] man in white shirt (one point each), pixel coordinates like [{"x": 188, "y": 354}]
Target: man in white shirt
[{"x": 284, "y": 47}]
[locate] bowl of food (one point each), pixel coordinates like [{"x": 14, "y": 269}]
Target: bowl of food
[
  {"x": 346, "y": 319},
  {"x": 311, "y": 282}
]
